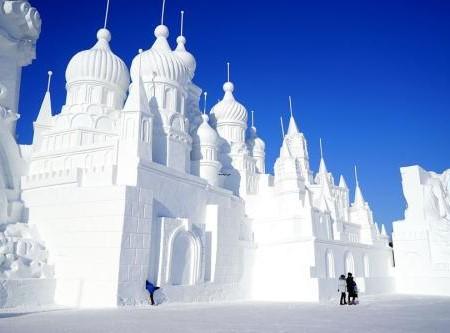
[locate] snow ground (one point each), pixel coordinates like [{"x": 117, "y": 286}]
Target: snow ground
[{"x": 390, "y": 313}]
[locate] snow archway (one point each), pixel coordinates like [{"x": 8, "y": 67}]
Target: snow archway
[
  {"x": 349, "y": 263},
  {"x": 185, "y": 259}
]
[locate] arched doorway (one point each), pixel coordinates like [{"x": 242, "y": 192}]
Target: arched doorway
[
  {"x": 349, "y": 263},
  {"x": 184, "y": 259}
]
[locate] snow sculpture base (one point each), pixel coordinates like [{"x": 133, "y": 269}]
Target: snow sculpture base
[
  {"x": 422, "y": 239},
  {"x": 26, "y": 292}
]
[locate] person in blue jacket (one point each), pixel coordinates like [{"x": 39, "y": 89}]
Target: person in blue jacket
[{"x": 151, "y": 288}]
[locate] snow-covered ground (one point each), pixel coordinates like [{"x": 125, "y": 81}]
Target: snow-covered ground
[{"x": 393, "y": 313}]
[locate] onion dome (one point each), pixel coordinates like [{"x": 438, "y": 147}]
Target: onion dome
[
  {"x": 99, "y": 64},
  {"x": 259, "y": 145},
  {"x": 188, "y": 58},
  {"x": 206, "y": 134},
  {"x": 228, "y": 109},
  {"x": 160, "y": 61}
]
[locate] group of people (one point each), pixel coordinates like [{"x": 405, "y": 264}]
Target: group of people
[{"x": 347, "y": 286}]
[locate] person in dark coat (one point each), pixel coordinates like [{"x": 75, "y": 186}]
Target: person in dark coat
[
  {"x": 351, "y": 289},
  {"x": 151, "y": 288},
  {"x": 342, "y": 287}
]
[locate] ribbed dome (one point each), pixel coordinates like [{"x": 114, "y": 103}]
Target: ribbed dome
[
  {"x": 160, "y": 61},
  {"x": 99, "y": 64},
  {"x": 188, "y": 58},
  {"x": 206, "y": 135},
  {"x": 228, "y": 109}
]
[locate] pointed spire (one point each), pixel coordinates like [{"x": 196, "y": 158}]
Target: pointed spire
[
  {"x": 342, "y": 182},
  {"x": 292, "y": 129},
  {"x": 163, "y": 9},
  {"x": 228, "y": 86},
  {"x": 45, "y": 113},
  {"x": 205, "y": 94},
  {"x": 182, "y": 22},
  {"x": 383, "y": 230},
  {"x": 322, "y": 166},
  {"x": 137, "y": 99},
  {"x": 106, "y": 14},
  {"x": 282, "y": 127},
  {"x": 359, "y": 199}
]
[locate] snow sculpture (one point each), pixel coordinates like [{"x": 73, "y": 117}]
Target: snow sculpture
[
  {"x": 131, "y": 182},
  {"x": 422, "y": 239},
  {"x": 22, "y": 255}
]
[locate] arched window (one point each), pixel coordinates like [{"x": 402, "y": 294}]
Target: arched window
[
  {"x": 349, "y": 263},
  {"x": 366, "y": 266},
  {"x": 330, "y": 265}
]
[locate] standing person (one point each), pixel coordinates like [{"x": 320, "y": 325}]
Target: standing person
[
  {"x": 342, "y": 287},
  {"x": 151, "y": 288},
  {"x": 350, "y": 288}
]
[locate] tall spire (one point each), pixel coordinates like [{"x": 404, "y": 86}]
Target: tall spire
[
  {"x": 282, "y": 127},
  {"x": 228, "y": 86},
  {"x": 45, "y": 113},
  {"x": 383, "y": 230},
  {"x": 322, "y": 166},
  {"x": 181, "y": 22},
  {"x": 359, "y": 199},
  {"x": 205, "y": 94},
  {"x": 163, "y": 9},
  {"x": 106, "y": 14},
  {"x": 292, "y": 129}
]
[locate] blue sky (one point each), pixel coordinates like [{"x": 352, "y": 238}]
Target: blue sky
[{"x": 371, "y": 78}]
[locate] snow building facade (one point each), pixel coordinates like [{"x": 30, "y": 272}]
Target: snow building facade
[{"x": 130, "y": 182}]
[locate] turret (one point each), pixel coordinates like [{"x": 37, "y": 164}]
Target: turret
[
  {"x": 257, "y": 148},
  {"x": 137, "y": 127},
  {"x": 205, "y": 152}
]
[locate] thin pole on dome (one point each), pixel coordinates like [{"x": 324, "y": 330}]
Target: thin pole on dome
[
  {"x": 253, "y": 118},
  {"x": 106, "y": 14},
  {"x": 162, "y": 11},
  {"x": 182, "y": 23},
  {"x": 228, "y": 72},
  {"x": 290, "y": 107},
  {"x": 140, "y": 62},
  {"x": 282, "y": 127},
  {"x": 356, "y": 176},
  {"x": 205, "y": 94},
  {"x": 50, "y": 73},
  {"x": 321, "y": 148}
]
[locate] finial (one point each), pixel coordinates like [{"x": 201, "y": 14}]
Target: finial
[
  {"x": 321, "y": 149},
  {"x": 290, "y": 106},
  {"x": 140, "y": 61},
  {"x": 282, "y": 127},
  {"x": 356, "y": 176},
  {"x": 50, "y": 73},
  {"x": 228, "y": 72},
  {"x": 162, "y": 11},
  {"x": 106, "y": 14},
  {"x": 253, "y": 118},
  {"x": 205, "y": 94},
  {"x": 182, "y": 23}
]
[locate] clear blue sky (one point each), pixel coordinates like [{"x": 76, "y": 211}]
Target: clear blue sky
[{"x": 372, "y": 78}]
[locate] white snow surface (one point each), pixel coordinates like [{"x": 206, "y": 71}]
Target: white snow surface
[{"x": 386, "y": 313}]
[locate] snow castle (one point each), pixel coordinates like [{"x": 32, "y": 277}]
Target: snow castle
[{"x": 130, "y": 181}]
